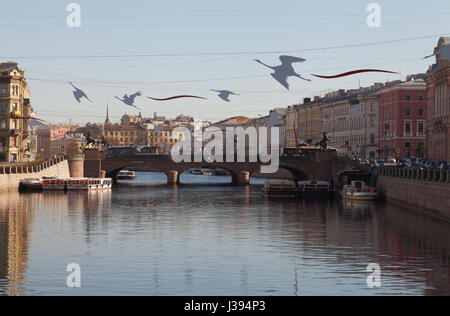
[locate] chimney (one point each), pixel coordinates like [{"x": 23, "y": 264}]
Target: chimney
[
  {"x": 306, "y": 100},
  {"x": 316, "y": 98}
]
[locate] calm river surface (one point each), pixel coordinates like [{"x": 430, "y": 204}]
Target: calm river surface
[{"x": 147, "y": 238}]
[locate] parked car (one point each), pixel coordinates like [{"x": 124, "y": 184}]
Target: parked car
[
  {"x": 380, "y": 163},
  {"x": 430, "y": 165},
  {"x": 442, "y": 165},
  {"x": 402, "y": 163}
]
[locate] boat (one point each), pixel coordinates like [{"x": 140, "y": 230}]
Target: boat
[
  {"x": 213, "y": 173},
  {"x": 315, "y": 190},
  {"x": 126, "y": 175},
  {"x": 208, "y": 173},
  {"x": 346, "y": 177},
  {"x": 280, "y": 188},
  {"x": 76, "y": 184},
  {"x": 30, "y": 185},
  {"x": 197, "y": 172},
  {"x": 359, "y": 191}
]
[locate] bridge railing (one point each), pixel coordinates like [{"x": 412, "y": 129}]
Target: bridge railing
[
  {"x": 429, "y": 175},
  {"x": 32, "y": 167},
  {"x": 168, "y": 157}
]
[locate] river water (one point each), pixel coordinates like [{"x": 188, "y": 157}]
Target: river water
[{"x": 206, "y": 237}]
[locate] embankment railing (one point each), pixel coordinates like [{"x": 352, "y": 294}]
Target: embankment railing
[
  {"x": 32, "y": 167},
  {"x": 429, "y": 175}
]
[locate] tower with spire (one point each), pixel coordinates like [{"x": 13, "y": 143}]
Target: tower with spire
[{"x": 107, "y": 121}]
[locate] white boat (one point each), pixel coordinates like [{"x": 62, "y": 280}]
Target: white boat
[
  {"x": 280, "y": 188},
  {"x": 197, "y": 172},
  {"x": 126, "y": 175},
  {"x": 359, "y": 191},
  {"x": 76, "y": 184}
]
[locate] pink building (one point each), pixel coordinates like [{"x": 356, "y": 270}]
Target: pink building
[{"x": 403, "y": 115}]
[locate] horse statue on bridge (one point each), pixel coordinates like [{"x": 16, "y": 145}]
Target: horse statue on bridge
[{"x": 323, "y": 143}]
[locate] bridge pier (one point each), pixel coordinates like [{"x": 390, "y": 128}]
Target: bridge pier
[
  {"x": 173, "y": 177},
  {"x": 244, "y": 178}
]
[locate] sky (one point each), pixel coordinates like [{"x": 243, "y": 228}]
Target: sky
[{"x": 176, "y": 47}]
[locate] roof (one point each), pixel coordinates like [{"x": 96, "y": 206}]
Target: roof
[
  {"x": 237, "y": 120},
  {"x": 10, "y": 65}
]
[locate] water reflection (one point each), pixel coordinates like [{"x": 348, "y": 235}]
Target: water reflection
[{"x": 215, "y": 239}]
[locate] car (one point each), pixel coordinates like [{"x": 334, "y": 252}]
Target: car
[
  {"x": 442, "y": 165},
  {"x": 380, "y": 163},
  {"x": 414, "y": 166},
  {"x": 402, "y": 163},
  {"x": 430, "y": 165}
]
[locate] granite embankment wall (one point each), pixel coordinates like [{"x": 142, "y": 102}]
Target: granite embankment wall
[
  {"x": 422, "y": 190},
  {"x": 10, "y": 176}
]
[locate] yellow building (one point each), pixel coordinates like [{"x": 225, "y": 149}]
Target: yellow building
[
  {"x": 120, "y": 136},
  {"x": 14, "y": 105},
  {"x": 164, "y": 138},
  {"x": 304, "y": 123}
]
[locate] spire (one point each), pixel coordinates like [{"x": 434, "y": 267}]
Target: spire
[{"x": 107, "y": 114}]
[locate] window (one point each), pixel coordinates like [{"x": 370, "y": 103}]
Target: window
[
  {"x": 420, "y": 127},
  {"x": 3, "y": 108},
  {"x": 408, "y": 112},
  {"x": 3, "y": 124},
  {"x": 372, "y": 139},
  {"x": 421, "y": 112},
  {"x": 421, "y": 97},
  {"x": 407, "y": 127},
  {"x": 3, "y": 89},
  {"x": 408, "y": 97}
]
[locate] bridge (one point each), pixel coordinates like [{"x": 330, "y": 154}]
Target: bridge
[{"x": 321, "y": 166}]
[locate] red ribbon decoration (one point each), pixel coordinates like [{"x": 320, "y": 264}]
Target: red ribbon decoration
[
  {"x": 177, "y": 97},
  {"x": 354, "y": 73}
]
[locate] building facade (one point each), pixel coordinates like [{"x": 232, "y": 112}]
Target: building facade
[
  {"x": 438, "y": 123},
  {"x": 14, "y": 106},
  {"x": 403, "y": 114},
  {"x": 350, "y": 120}
]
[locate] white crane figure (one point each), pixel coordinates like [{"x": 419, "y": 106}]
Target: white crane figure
[
  {"x": 129, "y": 100},
  {"x": 285, "y": 70},
  {"x": 224, "y": 94},
  {"x": 78, "y": 94}
]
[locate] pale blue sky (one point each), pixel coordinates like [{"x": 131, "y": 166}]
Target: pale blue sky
[{"x": 195, "y": 39}]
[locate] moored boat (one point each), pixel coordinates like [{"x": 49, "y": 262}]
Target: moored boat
[
  {"x": 126, "y": 175},
  {"x": 315, "y": 190},
  {"x": 280, "y": 188},
  {"x": 30, "y": 185},
  {"x": 196, "y": 172},
  {"x": 359, "y": 191},
  {"x": 76, "y": 184}
]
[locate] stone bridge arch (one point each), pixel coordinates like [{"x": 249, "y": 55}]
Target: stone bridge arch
[{"x": 297, "y": 174}]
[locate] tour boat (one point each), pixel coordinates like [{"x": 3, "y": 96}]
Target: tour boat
[
  {"x": 76, "y": 184},
  {"x": 312, "y": 190},
  {"x": 280, "y": 188},
  {"x": 126, "y": 175},
  {"x": 359, "y": 191},
  {"x": 197, "y": 172},
  {"x": 30, "y": 185}
]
